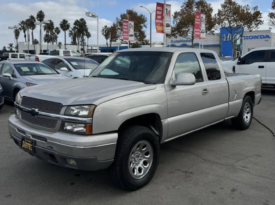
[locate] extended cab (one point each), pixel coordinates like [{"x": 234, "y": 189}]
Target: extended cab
[{"x": 134, "y": 101}]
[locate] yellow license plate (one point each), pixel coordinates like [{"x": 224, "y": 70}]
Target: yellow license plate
[{"x": 27, "y": 145}]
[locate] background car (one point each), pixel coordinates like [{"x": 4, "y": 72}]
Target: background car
[
  {"x": 98, "y": 57},
  {"x": 1, "y": 98},
  {"x": 72, "y": 67},
  {"x": 16, "y": 75}
]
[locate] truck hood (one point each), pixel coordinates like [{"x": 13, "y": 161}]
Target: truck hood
[
  {"x": 85, "y": 90},
  {"x": 38, "y": 79}
]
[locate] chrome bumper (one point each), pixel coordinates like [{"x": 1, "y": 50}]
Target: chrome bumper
[{"x": 90, "y": 152}]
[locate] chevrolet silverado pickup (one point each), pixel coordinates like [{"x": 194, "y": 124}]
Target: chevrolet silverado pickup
[{"x": 134, "y": 101}]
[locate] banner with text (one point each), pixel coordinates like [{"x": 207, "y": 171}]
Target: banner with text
[
  {"x": 159, "y": 22},
  {"x": 203, "y": 31},
  {"x": 125, "y": 30},
  {"x": 131, "y": 31},
  {"x": 197, "y": 25}
]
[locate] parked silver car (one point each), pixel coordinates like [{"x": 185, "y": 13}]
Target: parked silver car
[
  {"x": 72, "y": 67},
  {"x": 16, "y": 75}
]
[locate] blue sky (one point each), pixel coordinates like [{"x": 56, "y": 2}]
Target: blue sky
[{"x": 12, "y": 11}]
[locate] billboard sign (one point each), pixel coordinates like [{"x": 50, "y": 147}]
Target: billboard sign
[
  {"x": 131, "y": 31},
  {"x": 125, "y": 30},
  {"x": 159, "y": 22},
  {"x": 197, "y": 25}
]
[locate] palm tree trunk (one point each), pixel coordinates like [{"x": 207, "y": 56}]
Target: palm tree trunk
[
  {"x": 32, "y": 37},
  {"x": 65, "y": 39},
  {"x": 25, "y": 36},
  {"x": 17, "y": 46}
]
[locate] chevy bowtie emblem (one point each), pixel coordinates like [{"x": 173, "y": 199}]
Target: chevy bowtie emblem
[{"x": 34, "y": 112}]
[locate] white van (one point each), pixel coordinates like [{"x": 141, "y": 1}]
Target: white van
[{"x": 257, "y": 61}]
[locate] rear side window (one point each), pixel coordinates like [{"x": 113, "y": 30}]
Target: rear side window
[
  {"x": 188, "y": 63},
  {"x": 66, "y": 53},
  {"x": 14, "y": 55},
  {"x": 272, "y": 56},
  {"x": 22, "y": 56},
  {"x": 54, "y": 53},
  {"x": 211, "y": 66},
  {"x": 254, "y": 57}
]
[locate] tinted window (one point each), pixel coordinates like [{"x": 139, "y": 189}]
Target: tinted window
[
  {"x": 272, "y": 56},
  {"x": 49, "y": 62},
  {"x": 60, "y": 64},
  {"x": 254, "y": 57},
  {"x": 82, "y": 63},
  {"x": 146, "y": 67},
  {"x": 22, "y": 56},
  {"x": 188, "y": 63},
  {"x": 66, "y": 53},
  {"x": 25, "y": 69},
  {"x": 54, "y": 53},
  {"x": 14, "y": 55},
  {"x": 212, "y": 68}
]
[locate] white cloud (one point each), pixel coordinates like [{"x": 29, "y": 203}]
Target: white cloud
[{"x": 56, "y": 11}]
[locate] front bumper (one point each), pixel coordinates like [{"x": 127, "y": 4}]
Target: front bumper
[{"x": 91, "y": 153}]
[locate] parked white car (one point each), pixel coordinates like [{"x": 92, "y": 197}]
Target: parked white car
[
  {"x": 60, "y": 52},
  {"x": 72, "y": 67},
  {"x": 257, "y": 61},
  {"x": 13, "y": 56}
]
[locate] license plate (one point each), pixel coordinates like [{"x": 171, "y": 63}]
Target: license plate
[{"x": 27, "y": 145}]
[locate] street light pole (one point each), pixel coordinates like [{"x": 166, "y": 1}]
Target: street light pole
[
  {"x": 41, "y": 23},
  {"x": 94, "y": 15},
  {"x": 150, "y": 24}
]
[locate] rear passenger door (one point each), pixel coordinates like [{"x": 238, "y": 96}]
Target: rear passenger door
[
  {"x": 253, "y": 63},
  {"x": 270, "y": 68},
  {"x": 217, "y": 88}
]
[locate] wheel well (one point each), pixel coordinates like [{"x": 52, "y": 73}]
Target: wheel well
[
  {"x": 16, "y": 90},
  {"x": 151, "y": 121},
  {"x": 251, "y": 95}
]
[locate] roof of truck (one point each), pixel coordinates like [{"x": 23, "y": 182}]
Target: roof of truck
[{"x": 162, "y": 49}]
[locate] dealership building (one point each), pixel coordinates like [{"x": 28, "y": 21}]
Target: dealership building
[{"x": 221, "y": 43}]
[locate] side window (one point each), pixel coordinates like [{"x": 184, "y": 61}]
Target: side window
[
  {"x": 272, "y": 56},
  {"x": 60, "y": 64},
  {"x": 8, "y": 69},
  {"x": 14, "y": 55},
  {"x": 66, "y": 53},
  {"x": 211, "y": 66},
  {"x": 188, "y": 63},
  {"x": 254, "y": 57},
  {"x": 22, "y": 56},
  {"x": 50, "y": 63}
]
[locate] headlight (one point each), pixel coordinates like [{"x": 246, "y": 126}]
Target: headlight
[
  {"x": 85, "y": 111},
  {"x": 80, "y": 111},
  {"x": 18, "y": 99},
  {"x": 30, "y": 84}
]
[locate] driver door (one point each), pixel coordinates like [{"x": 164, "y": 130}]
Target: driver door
[{"x": 187, "y": 104}]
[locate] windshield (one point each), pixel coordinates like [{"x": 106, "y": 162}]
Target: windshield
[
  {"x": 82, "y": 63},
  {"x": 25, "y": 69},
  {"x": 75, "y": 54},
  {"x": 146, "y": 67}
]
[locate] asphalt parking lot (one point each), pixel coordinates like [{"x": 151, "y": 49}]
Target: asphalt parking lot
[{"x": 217, "y": 165}]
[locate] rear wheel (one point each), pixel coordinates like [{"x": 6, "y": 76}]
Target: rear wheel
[
  {"x": 136, "y": 158},
  {"x": 244, "y": 119}
]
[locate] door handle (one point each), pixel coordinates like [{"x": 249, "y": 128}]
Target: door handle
[
  {"x": 204, "y": 91},
  {"x": 260, "y": 66}
]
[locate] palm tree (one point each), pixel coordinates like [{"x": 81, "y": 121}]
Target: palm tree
[
  {"x": 40, "y": 16},
  {"x": 57, "y": 32},
  {"x": 32, "y": 25},
  {"x": 88, "y": 35},
  {"x": 10, "y": 46},
  {"x": 72, "y": 34},
  {"x": 35, "y": 42},
  {"x": 65, "y": 26},
  {"x": 59, "y": 45},
  {"x": 16, "y": 35},
  {"x": 81, "y": 28},
  {"x": 49, "y": 28},
  {"x": 23, "y": 28},
  {"x": 47, "y": 39}
]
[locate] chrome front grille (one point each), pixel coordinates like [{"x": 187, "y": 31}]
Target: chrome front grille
[{"x": 43, "y": 106}]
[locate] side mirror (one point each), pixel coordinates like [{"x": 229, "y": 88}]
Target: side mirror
[
  {"x": 184, "y": 79},
  {"x": 64, "y": 69},
  {"x": 7, "y": 75}
]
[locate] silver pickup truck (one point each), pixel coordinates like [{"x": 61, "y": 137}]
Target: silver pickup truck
[{"x": 134, "y": 101}]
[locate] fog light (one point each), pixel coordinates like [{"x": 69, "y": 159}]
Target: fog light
[
  {"x": 71, "y": 162},
  {"x": 72, "y": 127}
]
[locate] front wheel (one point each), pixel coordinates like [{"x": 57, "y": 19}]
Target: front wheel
[
  {"x": 244, "y": 119},
  {"x": 136, "y": 158}
]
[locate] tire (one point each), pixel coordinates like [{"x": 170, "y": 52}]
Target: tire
[
  {"x": 126, "y": 172},
  {"x": 15, "y": 94},
  {"x": 244, "y": 119}
]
